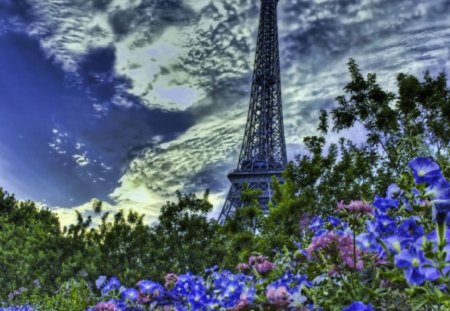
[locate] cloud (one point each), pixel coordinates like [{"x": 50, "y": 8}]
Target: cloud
[{"x": 193, "y": 60}]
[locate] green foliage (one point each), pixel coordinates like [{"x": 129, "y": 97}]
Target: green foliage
[{"x": 183, "y": 239}]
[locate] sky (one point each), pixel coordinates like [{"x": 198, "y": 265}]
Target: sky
[{"x": 129, "y": 101}]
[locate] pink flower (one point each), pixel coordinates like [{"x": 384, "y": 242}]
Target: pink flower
[
  {"x": 261, "y": 264},
  {"x": 243, "y": 302},
  {"x": 106, "y": 306},
  {"x": 305, "y": 220},
  {"x": 355, "y": 207},
  {"x": 264, "y": 267},
  {"x": 242, "y": 267},
  {"x": 344, "y": 244},
  {"x": 278, "y": 296},
  {"x": 170, "y": 280}
]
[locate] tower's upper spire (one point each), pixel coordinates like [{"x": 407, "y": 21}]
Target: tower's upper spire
[
  {"x": 263, "y": 146},
  {"x": 263, "y": 152}
]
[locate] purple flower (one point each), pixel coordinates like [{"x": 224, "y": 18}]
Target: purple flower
[
  {"x": 242, "y": 267},
  {"x": 106, "y": 306},
  {"x": 359, "y": 306},
  {"x": 170, "y": 280},
  {"x": 425, "y": 170},
  {"x": 355, "y": 207},
  {"x": 278, "y": 296},
  {"x": 261, "y": 264}
]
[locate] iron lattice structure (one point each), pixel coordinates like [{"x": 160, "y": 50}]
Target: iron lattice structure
[{"x": 263, "y": 152}]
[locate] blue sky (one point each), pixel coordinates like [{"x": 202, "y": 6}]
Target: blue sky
[{"x": 129, "y": 101}]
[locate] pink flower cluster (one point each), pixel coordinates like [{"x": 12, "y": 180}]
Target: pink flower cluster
[
  {"x": 170, "y": 280},
  {"x": 278, "y": 296},
  {"x": 355, "y": 207},
  {"x": 261, "y": 264},
  {"x": 106, "y": 306},
  {"x": 243, "y": 302},
  {"x": 242, "y": 267},
  {"x": 344, "y": 245}
]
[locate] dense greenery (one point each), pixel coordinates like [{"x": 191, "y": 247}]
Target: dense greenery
[{"x": 37, "y": 257}]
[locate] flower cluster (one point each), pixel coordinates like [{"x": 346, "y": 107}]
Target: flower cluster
[
  {"x": 336, "y": 242},
  {"x": 400, "y": 239},
  {"x": 355, "y": 207}
]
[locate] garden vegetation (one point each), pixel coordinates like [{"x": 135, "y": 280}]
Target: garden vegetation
[{"x": 353, "y": 227}]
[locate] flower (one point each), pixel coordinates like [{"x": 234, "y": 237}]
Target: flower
[
  {"x": 316, "y": 223},
  {"x": 242, "y": 267},
  {"x": 425, "y": 170},
  {"x": 393, "y": 190},
  {"x": 278, "y": 296},
  {"x": 261, "y": 264},
  {"x": 170, "y": 280},
  {"x": 382, "y": 204},
  {"x": 130, "y": 294},
  {"x": 417, "y": 268},
  {"x": 359, "y": 306},
  {"x": 355, "y": 207},
  {"x": 101, "y": 280},
  {"x": 150, "y": 287},
  {"x": 106, "y": 306},
  {"x": 112, "y": 284}
]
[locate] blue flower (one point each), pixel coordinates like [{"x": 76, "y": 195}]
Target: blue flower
[
  {"x": 316, "y": 223},
  {"x": 410, "y": 229},
  {"x": 425, "y": 170},
  {"x": 440, "y": 193},
  {"x": 100, "y": 282},
  {"x": 393, "y": 191},
  {"x": 395, "y": 243},
  {"x": 112, "y": 284},
  {"x": 150, "y": 287},
  {"x": 417, "y": 268},
  {"x": 334, "y": 221},
  {"x": 382, "y": 204},
  {"x": 130, "y": 294},
  {"x": 359, "y": 306},
  {"x": 385, "y": 225},
  {"x": 367, "y": 242}
]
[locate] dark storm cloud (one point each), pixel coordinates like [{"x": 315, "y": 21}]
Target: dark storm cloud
[
  {"x": 52, "y": 126},
  {"x": 101, "y": 4},
  {"x": 15, "y": 9}
]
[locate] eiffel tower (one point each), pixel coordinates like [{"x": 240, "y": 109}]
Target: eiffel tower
[{"x": 263, "y": 152}]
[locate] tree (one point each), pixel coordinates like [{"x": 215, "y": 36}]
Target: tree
[{"x": 399, "y": 127}]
